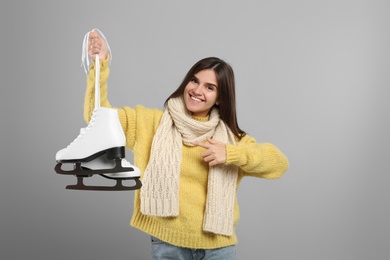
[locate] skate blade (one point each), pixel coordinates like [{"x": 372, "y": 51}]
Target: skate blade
[
  {"x": 120, "y": 178},
  {"x": 117, "y": 187},
  {"x": 82, "y": 171}
]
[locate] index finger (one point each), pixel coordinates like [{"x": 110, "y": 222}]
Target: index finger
[{"x": 204, "y": 145}]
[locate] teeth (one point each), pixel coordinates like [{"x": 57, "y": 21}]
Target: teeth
[{"x": 196, "y": 99}]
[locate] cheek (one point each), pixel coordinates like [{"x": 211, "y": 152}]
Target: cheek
[
  {"x": 187, "y": 88},
  {"x": 213, "y": 97}
]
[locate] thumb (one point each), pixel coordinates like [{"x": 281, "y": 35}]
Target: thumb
[{"x": 211, "y": 140}]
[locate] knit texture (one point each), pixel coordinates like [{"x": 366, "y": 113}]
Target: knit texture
[{"x": 160, "y": 192}]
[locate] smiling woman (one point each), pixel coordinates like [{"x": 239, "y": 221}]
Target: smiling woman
[
  {"x": 200, "y": 95},
  {"x": 217, "y": 75},
  {"x": 192, "y": 156}
]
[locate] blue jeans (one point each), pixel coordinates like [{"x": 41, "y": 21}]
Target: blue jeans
[{"x": 164, "y": 251}]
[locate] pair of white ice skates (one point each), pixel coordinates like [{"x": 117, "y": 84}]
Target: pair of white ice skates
[{"x": 99, "y": 148}]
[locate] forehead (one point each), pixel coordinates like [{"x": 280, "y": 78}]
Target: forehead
[{"x": 207, "y": 76}]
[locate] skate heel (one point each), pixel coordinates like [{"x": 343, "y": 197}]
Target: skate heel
[{"x": 116, "y": 153}]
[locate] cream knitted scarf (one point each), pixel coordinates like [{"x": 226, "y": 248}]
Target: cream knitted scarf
[{"x": 160, "y": 190}]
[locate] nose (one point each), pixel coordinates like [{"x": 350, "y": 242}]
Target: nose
[{"x": 197, "y": 89}]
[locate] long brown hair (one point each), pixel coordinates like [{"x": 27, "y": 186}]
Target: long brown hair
[{"x": 226, "y": 90}]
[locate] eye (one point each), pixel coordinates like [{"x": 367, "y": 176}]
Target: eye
[
  {"x": 194, "y": 80},
  {"x": 210, "y": 87}
]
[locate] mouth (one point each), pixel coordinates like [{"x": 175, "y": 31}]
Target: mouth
[{"x": 195, "y": 98}]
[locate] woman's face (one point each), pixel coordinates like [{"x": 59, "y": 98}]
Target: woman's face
[{"x": 201, "y": 93}]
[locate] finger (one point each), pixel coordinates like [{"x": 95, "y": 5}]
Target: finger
[
  {"x": 212, "y": 163},
  {"x": 93, "y": 33},
  {"x": 95, "y": 42},
  {"x": 204, "y": 145},
  {"x": 206, "y": 153},
  {"x": 208, "y": 159},
  {"x": 95, "y": 47},
  {"x": 212, "y": 141},
  {"x": 94, "y": 50},
  {"x": 215, "y": 162}
]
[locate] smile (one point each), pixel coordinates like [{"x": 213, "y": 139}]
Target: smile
[{"x": 195, "y": 99}]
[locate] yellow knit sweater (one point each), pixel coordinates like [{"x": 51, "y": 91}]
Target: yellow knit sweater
[{"x": 140, "y": 124}]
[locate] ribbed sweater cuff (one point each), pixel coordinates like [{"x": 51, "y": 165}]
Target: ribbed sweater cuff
[{"x": 234, "y": 154}]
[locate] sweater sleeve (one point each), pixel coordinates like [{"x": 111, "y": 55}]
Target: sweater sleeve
[{"x": 263, "y": 160}]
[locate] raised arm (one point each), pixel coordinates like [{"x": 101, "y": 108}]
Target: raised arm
[
  {"x": 263, "y": 160},
  {"x": 96, "y": 45}
]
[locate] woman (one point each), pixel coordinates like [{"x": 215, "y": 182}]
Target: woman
[{"x": 193, "y": 156}]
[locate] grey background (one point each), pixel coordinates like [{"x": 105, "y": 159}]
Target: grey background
[{"x": 312, "y": 78}]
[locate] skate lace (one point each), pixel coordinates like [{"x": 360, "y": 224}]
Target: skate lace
[
  {"x": 85, "y": 130},
  {"x": 85, "y": 62}
]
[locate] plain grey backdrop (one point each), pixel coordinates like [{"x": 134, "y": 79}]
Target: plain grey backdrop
[{"x": 312, "y": 78}]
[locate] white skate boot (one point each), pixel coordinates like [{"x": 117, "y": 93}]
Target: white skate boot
[
  {"x": 100, "y": 147},
  {"x": 115, "y": 169},
  {"x": 104, "y": 134}
]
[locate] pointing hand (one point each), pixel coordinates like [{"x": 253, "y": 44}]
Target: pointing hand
[{"x": 215, "y": 152}]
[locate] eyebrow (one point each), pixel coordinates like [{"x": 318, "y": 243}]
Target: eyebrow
[{"x": 207, "y": 83}]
